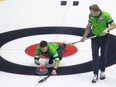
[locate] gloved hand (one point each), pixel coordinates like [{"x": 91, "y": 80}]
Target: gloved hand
[{"x": 37, "y": 62}]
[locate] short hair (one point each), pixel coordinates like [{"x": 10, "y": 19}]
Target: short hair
[
  {"x": 94, "y": 7},
  {"x": 43, "y": 44}
]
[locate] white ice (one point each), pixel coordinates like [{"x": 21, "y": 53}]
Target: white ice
[{"x": 18, "y": 14}]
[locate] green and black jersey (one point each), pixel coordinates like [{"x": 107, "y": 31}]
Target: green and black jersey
[
  {"x": 100, "y": 23},
  {"x": 51, "y": 51}
]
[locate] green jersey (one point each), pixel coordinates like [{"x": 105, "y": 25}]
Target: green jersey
[
  {"x": 51, "y": 51},
  {"x": 100, "y": 23}
]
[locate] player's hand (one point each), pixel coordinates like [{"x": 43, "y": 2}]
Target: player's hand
[
  {"x": 37, "y": 62},
  {"x": 104, "y": 32},
  {"x": 54, "y": 72}
]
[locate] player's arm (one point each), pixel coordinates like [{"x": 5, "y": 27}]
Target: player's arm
[
  {"x": 87, "y": 31},
  {"x": 36, "y": 57},
  {"x": 36, "y": 60},
  {"x": 112, "y": 26},
  {"x": 57, "y": 61}
]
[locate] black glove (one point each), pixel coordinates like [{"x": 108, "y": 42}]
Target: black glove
[{"x": 36, "y": 60}]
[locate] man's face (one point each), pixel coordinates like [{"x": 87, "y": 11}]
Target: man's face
[
  {"x": 94, "y": 13},
  {"x": 44, "y": 49}
]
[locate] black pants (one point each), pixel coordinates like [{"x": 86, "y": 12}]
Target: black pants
[
  {"x": 59, "y": 51},
  {"x": 99, "y": 43}
]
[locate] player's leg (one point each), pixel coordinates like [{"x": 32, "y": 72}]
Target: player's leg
[
  {"x": 104, "y": 51},
  {"x": 95, "y": 56},
  {"x": 60, "y": 50}
]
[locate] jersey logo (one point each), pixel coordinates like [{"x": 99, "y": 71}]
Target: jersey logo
[{"x": 100, "y": 18}]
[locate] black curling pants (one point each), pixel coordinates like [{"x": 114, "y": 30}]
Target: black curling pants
[
  {"x": 99, "y": 53},
  {"x": 60, "y": 50}
]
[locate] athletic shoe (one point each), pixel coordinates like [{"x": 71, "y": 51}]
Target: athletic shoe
[
  {"x": 102, "y": 76},
  {"x": 65, "y": 42},
  {"x": 95, "y": 78}
]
